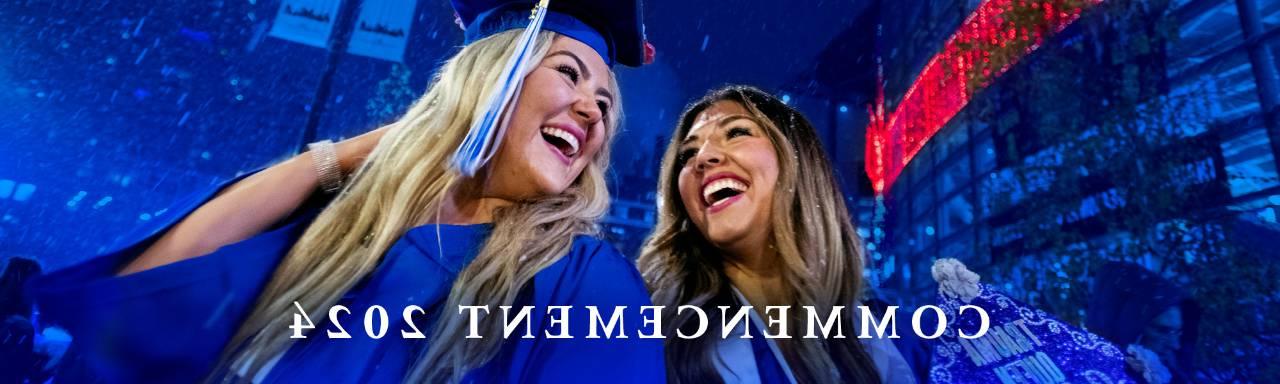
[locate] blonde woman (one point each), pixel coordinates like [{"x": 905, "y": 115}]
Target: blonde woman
[
  {"x": 230, "y": 287},
  {"x": 750, "y": 215}
]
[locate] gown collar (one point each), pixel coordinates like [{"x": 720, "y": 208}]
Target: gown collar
[
  {"x": 758, "y": 325},
  {"x": 453, "y": 246}
]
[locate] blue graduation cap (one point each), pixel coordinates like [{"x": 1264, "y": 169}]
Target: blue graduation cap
[{"x": 613, "y": 28}]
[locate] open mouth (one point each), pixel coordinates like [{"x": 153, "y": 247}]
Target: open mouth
[
  {"x": 722, "y": 190},
  {"x": 562, "y": 140}
]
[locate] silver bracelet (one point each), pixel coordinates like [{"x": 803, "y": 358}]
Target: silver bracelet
[{"x": 326, "y": 162}]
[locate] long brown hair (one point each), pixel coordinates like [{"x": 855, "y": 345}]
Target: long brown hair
[{"x": 821, "y": 255}]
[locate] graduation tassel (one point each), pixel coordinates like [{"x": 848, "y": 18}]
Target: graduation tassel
[{"x": 486, "y": 132}]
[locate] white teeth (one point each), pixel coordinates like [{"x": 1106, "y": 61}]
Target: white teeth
[
  {"x": 718, "y": 185},
  {"x": 563, "y": 135}
]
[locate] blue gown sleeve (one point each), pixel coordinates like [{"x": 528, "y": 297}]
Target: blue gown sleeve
[
  {"x": 597, "y": 275},
  {"x": 166, "y": 324}
]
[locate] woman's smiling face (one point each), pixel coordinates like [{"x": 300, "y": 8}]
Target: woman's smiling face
[
  {"x": 558, "y": 125},
  {"x": 728, "y": 169}
]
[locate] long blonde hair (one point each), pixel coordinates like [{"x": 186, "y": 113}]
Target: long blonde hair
[
  {"x": 402, "y": 184},
  {"x": 811, "y": 230}
]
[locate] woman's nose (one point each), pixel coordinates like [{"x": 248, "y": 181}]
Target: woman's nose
[
  {"x": 708, "y": 157},
  {"x": 587, "y": 111}
]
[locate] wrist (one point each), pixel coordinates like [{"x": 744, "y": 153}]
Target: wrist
[
  {"x": 324, "y": 159},
  {"x": 348, "y": 156}
]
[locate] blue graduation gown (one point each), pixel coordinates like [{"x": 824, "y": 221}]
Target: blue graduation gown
[
  {"x": 757, "y": 360},
  {"x": 170, "y": 323},
  {"x": 767, "y": 365}
]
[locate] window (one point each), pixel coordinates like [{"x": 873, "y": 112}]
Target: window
[
  {"x": 956, "y": 214},
  {"x": 956, "y": 175},
  {"x": 1249, "y": 163}
]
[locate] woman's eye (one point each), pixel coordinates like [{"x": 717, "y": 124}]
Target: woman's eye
[
  {"x": 737, "y": 131},
  {"x": 684, "y": 156},
  {"x": 569, "y": 71},
  {"x": 604, "y": 110}
]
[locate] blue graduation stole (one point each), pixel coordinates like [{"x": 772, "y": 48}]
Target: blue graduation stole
[{"x": 1022, "y": 345}]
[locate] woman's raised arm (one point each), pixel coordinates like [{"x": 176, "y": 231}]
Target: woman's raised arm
[{"x": 249, "y": 206}]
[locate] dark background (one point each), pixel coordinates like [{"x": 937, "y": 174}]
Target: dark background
[{"x": 1142, "y": 133}]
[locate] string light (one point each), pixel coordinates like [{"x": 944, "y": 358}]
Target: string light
[{"x": 991, "y": 39}]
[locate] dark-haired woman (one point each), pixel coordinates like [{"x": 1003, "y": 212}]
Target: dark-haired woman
[{"x": 750, "y": 214}]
